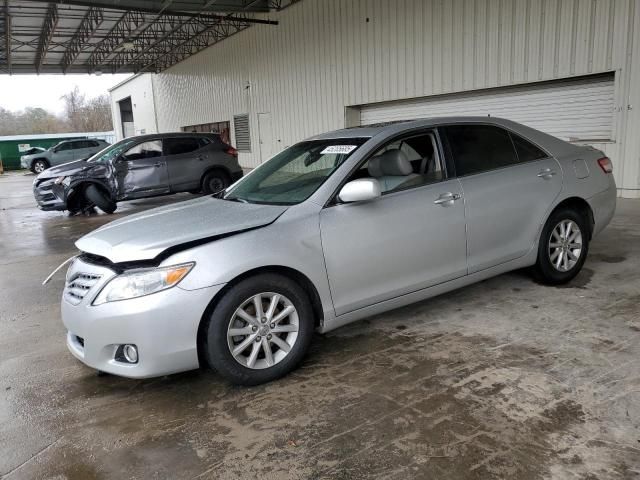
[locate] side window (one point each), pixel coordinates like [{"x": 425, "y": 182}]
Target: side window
[
  {"x": 80, "y": 144},
  {"x": 92, "y": 144},
  {"x": 527, "y": 152},
  {"x": 479, "y": 148},
  {"x": 149, "y": 149},
  {"x": 408, "y": 162},
  {"x": 63, "y": 147},
  {"x": 176, "y": 146}
]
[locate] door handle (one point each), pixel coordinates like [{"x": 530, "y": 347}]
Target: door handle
[
  {"x": 547, "y": 173},
  {"x": 448, "y": 198}
]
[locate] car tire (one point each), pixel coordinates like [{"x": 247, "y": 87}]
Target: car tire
[
  {"x": 99, "y": 199},
  {"x": 561, "y": 257},
  {"x": 287, "y": 339},
  {"x": 214, "y": 181},
  {"x": 38, "y": 166}
]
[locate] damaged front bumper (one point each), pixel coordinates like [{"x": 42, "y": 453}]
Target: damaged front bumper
[{"x": 49, "y": 195}]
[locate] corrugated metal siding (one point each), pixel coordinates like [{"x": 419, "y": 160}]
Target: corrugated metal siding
[
  {"x": 328, "y": 54},
  {"x": 572, "y": 110}
]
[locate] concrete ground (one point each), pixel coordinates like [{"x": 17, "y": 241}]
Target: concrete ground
[{"x": 503, "y": 379}]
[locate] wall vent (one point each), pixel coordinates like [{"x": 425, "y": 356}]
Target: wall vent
[{"x": 242, "y": 134}]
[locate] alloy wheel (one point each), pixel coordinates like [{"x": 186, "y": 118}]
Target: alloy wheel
[
  {"x": 565, "y": 245},
  {"x": 263, "y": 330},
  {"x": 39, "y": 167}
]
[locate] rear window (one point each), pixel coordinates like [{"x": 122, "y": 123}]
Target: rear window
[
  {"x": 177, "y": 146},
  {"x": 527, "y": 151},
  {"x": 479, "y": 148}
]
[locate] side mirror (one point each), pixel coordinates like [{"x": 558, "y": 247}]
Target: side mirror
[{"x": 360, "y": 190}]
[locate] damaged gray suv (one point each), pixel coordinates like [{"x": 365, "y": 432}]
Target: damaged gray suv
[{"x": 137, "y": 167}]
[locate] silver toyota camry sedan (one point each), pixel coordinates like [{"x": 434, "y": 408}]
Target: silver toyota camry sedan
[{"x": 339, "y": 227}]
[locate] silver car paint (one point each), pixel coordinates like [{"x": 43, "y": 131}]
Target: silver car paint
[
  {"x": 306, "y": 238},
  {"x": 145, "y": 235}
]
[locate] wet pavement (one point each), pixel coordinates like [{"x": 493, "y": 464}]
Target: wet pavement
[{"x": 503, "y": 379}]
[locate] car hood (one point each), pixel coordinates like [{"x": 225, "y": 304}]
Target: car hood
[
  {"x": 64, "y": 169},
  {"x": 145, "y": 235}
]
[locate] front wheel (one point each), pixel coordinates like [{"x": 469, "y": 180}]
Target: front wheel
[
  {"x": 99, "y": 199},
  {"x": 563, "y": 247},
  {"x": 39, "y": 166},
  {"x": 260, "y": 330}
]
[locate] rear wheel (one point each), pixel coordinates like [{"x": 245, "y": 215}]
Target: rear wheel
[
  {"x": 39, "y": 166},
  {"x": 563, "y": 247},
  {"x": 100, "y": 199},
  {"x": 215, "y": 181},
  {"x": 260, "y": 330}
]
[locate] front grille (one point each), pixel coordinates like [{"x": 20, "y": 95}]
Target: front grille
[{"x": 78, "y": 286}]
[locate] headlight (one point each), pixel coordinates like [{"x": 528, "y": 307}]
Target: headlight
[
  {"x": 138, "y": 283},
  {"x": 59, "y": 180}
]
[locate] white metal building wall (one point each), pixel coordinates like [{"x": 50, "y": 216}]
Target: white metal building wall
[
  {"x": 328, "y": 54},
  {"x": 140, "y": 89}
]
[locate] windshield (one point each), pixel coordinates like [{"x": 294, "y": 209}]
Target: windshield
[
  {"x": 295, "y": 173},
  {"x": 111, "y": 151}
]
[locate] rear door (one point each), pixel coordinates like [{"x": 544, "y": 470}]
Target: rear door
[
  {"x": 142, "y": 171},
  {"x": 509, "y": 185},
  {"x": 186, "y": 157}
]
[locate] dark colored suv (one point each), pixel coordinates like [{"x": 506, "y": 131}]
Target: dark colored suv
[{"x": 137, "y": 167}]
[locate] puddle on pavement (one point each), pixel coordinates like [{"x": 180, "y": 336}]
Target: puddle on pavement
[{"x": 380, "y": 404}]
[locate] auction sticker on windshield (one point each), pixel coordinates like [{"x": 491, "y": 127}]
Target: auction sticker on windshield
[{"x": 338, "y": 149}]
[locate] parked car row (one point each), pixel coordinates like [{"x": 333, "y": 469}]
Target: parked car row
[
  {"x": 66, "y": 151},
  {"x": 338, "y": 227},
  {"x": 138, "y": 167}
]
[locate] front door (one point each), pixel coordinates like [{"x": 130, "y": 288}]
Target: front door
[
  {"x": 142, "y": 171},
  {"x": 509, "y": 186},
  {"x": 63, "y": 153},
  {"x": 410, "y": 238}
]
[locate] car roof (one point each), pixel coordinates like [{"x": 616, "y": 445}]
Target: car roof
[{"x": 548, "y": 142}]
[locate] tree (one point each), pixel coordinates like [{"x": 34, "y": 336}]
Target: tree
[
  {"x": 93, "y": 115},
  {"x": 31, "y": 120}
]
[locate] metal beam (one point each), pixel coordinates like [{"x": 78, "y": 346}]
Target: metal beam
[
  {"x": 198, "y": 41},
  {"x": 144, "y": 44},
  {"x": 7, "y": 31},
  {"x": 48, "y": 27},
  {"x": 88, "y": 27},
  {"x": 122, "y": 31}
]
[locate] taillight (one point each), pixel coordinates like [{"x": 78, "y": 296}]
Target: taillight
[
  {"x": 231, "y": 151},
  {"x": 605, "y": 164}
]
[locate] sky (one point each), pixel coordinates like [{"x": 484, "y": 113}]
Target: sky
[{"x": 20, "y": 91}]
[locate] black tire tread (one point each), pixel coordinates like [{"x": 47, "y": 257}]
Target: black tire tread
[
  {"x": 99, "y": 199},
  {"x": 215, "y": 173}
]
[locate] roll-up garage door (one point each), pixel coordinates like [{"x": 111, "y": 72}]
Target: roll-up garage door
[{"x": 570, "y": 109}]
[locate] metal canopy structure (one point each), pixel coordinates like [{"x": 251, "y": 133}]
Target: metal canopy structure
[{"x": 121, "y": 36}]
